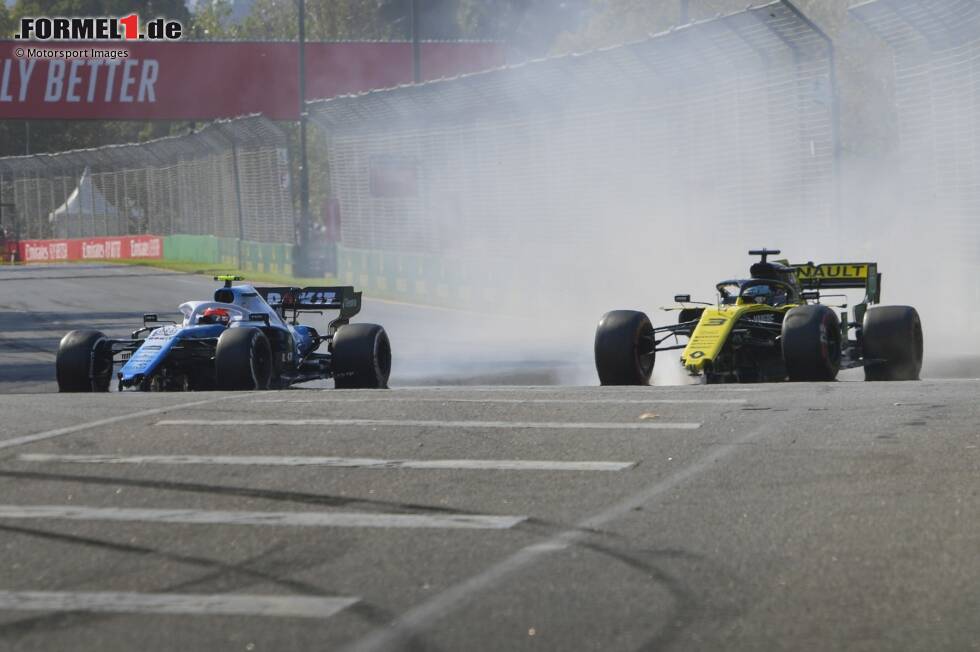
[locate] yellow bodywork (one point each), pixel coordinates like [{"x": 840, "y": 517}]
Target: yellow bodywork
[{"x": 713, "y": 329}]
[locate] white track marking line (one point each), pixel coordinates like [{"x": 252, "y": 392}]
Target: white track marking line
[
  {"x": 415, "y": 620},
  {"x": 335, "y": 462},
  {"x": 512, "y": 425},
  {"x": 60, "y": 432},
  {"x": 175, "y": 603},
  {"x": 429, "y": 399},
  {"x": 279, "y": 519},
  {"x": 590, "y": 389}
]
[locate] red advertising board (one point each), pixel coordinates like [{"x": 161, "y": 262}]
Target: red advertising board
[
  {"x": 119, "y": 247},
  {"x": 207, "y": 80}
]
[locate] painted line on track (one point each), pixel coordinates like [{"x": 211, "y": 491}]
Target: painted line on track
[
  {"x": 591, "y": 389},
  {"x": 334, "y": 462},
  {"x": 279, "y": 519},
  {"x": 512, "y": 425},
  {"x": 516, "y": 401},
  {"x": 416, "y": 620},
  {"x": 175, "y": 603},
  {"x": 60, "y": 432}
]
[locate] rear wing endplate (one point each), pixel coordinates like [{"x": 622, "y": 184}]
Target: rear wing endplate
[{"x": 841, "y": 276}]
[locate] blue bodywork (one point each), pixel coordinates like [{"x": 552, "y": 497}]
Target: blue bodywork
[
  {"x": 242, "y": 302},
  {"x": 157, "y": 346},
  {"x": 306, "y": 339}
]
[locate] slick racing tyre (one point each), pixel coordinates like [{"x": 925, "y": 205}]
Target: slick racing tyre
[
  {"x": 624, "y": 348},
  {"x": 84, "y": 362},
  {"x": 361, "y": 357},
  {"x": 243, "y": 360},
  {"x": 893, "y": 342},
  {"x": 811, "y": 343}
]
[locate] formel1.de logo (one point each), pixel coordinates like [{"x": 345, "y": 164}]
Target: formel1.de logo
[{"x": 98, "y": 28}]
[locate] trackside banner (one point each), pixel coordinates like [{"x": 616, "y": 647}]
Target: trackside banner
[
  {"x": 126, "y": 246},
  {"x": 143, "y": 80}
]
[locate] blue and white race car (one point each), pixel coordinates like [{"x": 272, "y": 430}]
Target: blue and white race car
[{"x": 246, "y": 338}]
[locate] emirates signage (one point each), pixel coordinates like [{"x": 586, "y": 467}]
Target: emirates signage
[
  {"x": 120, "y": 247},
  {"x": 207, "y": 80}
]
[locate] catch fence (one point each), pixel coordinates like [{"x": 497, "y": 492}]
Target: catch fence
[
  {"x": 936, "y": 46},
  {"x": 229, "y": 179},
  {"x": 725, "y": 128}
]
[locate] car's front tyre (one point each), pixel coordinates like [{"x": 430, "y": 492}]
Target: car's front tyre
[
  {"x": 243, "y": 360},
  {"x": 811, "y": 339},
  {"x": 624, "y": 348},
  {"x": 84, "y": 362}
]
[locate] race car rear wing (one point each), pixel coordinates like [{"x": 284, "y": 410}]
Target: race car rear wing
[
  {"x": 315, "y": 299},
  {"x": 841, "y": 276}
]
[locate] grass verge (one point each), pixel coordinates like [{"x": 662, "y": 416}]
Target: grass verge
[{"x": 211, "y": 269}]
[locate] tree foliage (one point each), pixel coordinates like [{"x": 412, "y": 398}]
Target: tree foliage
[
  {"x": 6, "y": 21},
  {"x": 212, "y": 21},
  {"x": 620, "y": 21},
  {"x": 529, "y": 28},
  {"x": 325, "y": 20},
  {"x": 173, "y": 9}
]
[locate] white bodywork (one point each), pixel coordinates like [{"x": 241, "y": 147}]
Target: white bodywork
[{"x": 192, "y": 311}]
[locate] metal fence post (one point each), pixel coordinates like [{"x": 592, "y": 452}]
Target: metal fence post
[{"x": 238, "y": 202}]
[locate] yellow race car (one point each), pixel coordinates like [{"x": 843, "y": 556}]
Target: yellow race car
[{"x": 770, "y": 327}]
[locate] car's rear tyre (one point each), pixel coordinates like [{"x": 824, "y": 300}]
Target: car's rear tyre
[
  {"x": 242, "y": 360},
  {"x": 811, "y": 343},
  {"x": 893, "y": 336},
  {"x": 361, "y": 357},
  {"x": 84, "y": 362},
  {"x": 624, "y": 348}
]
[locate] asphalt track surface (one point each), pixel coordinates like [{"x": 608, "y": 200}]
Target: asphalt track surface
[{"x": 766, "y": 517}]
